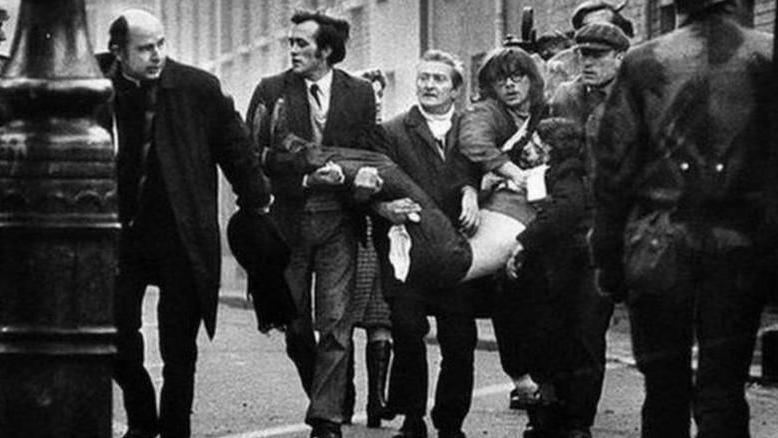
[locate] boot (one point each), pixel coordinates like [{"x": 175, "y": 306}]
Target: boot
[{"x": 377, "y": 355}]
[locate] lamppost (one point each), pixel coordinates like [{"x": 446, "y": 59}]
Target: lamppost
[{"x": 58, "y": 227}]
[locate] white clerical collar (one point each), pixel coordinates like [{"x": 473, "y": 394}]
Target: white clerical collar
[{"x": 131, "y": 79}]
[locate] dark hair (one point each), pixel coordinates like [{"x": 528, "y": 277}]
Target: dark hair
[
  {"x": 375, "y": 75},
  {"x": 505, "y": 62},
  {"x": 457, "y": 68},
  {"x": 118, "y": 34},
  {"x": 333, "y": 32},
  {"x": 565, "y": 136}
]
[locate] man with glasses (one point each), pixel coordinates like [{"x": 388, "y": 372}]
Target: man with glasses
[{"x": 601, "y": 48}]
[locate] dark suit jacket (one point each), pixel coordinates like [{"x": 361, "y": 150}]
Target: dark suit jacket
[
  {"x": 196, "y": 128},
  {"x": 409, "y": 143},
  {"x": 351, "y": 115}
]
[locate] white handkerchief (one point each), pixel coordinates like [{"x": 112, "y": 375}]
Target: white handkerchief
[
  {"x": 400, "y": 251},
  {"x": 536, "y": 183}
]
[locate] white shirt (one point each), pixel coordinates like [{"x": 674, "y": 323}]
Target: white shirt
[
  {"x": 439, "y": 125},
  {"x": 325, "y": 90}
]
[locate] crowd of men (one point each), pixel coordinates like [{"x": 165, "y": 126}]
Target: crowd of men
[{"x": 657, "y": 186}]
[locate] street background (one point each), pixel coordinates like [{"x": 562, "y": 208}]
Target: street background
[{"x": 247, "y": 388}]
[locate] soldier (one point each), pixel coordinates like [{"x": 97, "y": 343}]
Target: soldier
[{"x": 684, "y": 166}]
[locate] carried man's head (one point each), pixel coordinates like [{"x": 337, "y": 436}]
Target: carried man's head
[
  {"x": 137, "y": 39},
  {"x": 316, "y": 42},
  {"x": 601, "y": 47},
  {"x": 439, "y": 79}
]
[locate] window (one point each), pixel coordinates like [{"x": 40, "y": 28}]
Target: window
[{"x": 666, "y": 18}]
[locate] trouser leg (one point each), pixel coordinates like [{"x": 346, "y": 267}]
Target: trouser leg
[
  {"x": 335, "y": 267},
  {"x": 592, "y": 318},
  {"x": 179, "y": 316},
  {"x": 129, "y": 372},
  {"x": 408, "y": 381},
  {"x": 457, "y": 335},
  {"x": 512, "y": 320},
  {"x": 729, "y": 307},
  {"x": 300, "y": 339},
  {"x": 662, "y": 340}
]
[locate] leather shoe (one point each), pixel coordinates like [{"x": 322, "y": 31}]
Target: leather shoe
[
  {"x": 413, "y": 427},
  {"x": 326, "y": 429}
]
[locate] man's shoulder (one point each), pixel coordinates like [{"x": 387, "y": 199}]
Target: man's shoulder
[
  {"x": 351, "y": 80},
  {"x": 177, "y": 74}
]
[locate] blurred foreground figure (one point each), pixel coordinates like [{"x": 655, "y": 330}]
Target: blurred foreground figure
[{"x": 685, "y": 182}]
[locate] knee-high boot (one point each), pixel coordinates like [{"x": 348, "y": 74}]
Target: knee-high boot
[{"x": 377, "y": 355}]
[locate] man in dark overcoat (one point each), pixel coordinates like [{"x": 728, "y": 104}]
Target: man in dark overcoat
[
  {"x": 686, "y": 136},
  {"x": 423, "y": 143},
  {"x": 327, "y": 106},
  {"x": 174, "y": 126}
]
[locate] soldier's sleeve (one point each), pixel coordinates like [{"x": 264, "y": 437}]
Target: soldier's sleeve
[{"x": 616, "y": 153}]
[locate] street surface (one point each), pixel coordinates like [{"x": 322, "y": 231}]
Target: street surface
[{"x": 247, "y": 387}]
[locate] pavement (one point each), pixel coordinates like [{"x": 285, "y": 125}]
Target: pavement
[
  {"x": 248, "y": 388},
  {"x": 618, "y": 338},
  {"x": 620, "y": 345}
]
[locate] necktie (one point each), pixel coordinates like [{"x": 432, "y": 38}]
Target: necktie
[
  {"x": 441, "y": 148},
  {"x": 315, "y": 94}
]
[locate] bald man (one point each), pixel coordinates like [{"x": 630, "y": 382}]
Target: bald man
[{"x": 174, "y": 127}]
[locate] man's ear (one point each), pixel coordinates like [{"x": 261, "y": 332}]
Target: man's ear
[
  {"x": 116, "y": 52},
  {"x": 326, "y": 52}
]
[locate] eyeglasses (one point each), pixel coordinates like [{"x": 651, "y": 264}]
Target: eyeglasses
[{"x": 516, "y": 78}]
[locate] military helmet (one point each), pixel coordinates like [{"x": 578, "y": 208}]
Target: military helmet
[{"x": 692, "y": 6}]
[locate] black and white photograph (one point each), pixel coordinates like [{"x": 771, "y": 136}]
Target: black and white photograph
[{"x": 388, "y": 219}]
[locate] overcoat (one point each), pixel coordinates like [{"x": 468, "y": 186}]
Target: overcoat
[{"x": 197, "y": 128}]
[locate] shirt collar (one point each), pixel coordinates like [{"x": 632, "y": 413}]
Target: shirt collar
[{"x": 324, "y": 83}]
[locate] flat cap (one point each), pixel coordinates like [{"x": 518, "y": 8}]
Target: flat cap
[{"x": 601, "y": 36}]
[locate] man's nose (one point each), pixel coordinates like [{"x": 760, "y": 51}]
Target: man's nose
[{"x": 156, "y": 53}]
